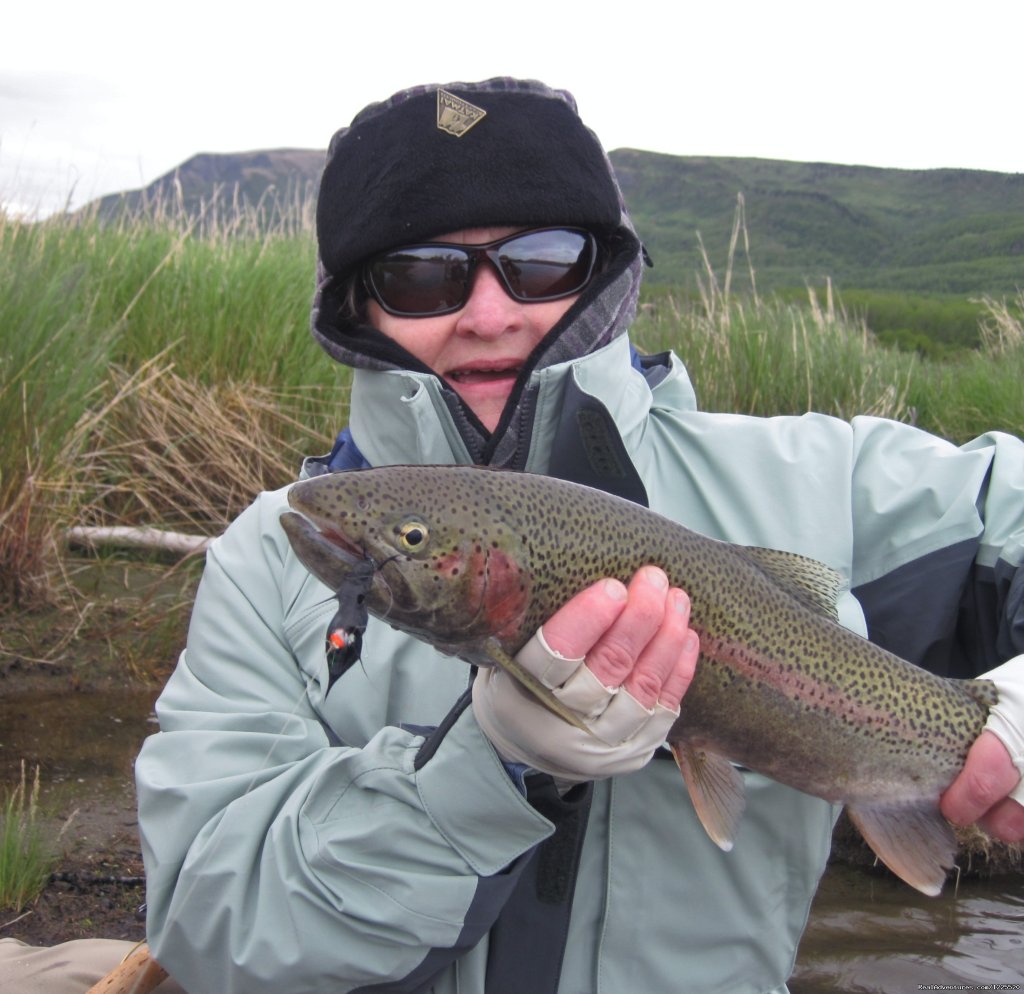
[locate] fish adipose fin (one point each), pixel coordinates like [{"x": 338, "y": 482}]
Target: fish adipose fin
[
  {"x": 716, "y": 790},
  {"x": 983, "y": 691},
  {"x": 814, "y": 584},
  {"x": 916, "y": 843}
]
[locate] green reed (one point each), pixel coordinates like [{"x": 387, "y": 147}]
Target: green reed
[{"x": 26, "y": 857}]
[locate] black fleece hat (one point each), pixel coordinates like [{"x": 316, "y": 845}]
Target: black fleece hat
[{"x": 402, "y": 173}]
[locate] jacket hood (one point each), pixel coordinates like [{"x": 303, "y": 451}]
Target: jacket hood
[{"x": 603, "y": 312}]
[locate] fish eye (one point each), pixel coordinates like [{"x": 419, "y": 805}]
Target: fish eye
[{"x": 412, "y": 536}]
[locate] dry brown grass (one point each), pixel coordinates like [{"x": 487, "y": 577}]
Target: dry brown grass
[{"x": 163, "y": 450}]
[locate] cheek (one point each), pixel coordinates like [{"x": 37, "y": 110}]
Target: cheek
[
  {"x": 422, "y": 337},
  {"x": 545, "y": 316}
]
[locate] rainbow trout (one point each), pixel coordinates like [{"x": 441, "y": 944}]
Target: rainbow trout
[{"x": 473, "y": 561}]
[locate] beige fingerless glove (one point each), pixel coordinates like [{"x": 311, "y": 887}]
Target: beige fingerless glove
[
  {"x": 623, "y": 734},
  {"x": 1006, "y": 719}
]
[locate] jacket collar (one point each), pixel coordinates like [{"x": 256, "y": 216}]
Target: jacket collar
[{"x": 403, "y": 416}]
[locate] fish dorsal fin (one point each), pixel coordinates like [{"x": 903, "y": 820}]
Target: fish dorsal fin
[
  {"x": 716, "y": 790},
  {"x": 814, "y": 584},
  {"x": 914, "y": 841}
]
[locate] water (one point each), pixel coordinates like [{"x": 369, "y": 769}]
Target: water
[
  {"x": 85, "y": 745},
  {"x": 868, "y": 933}
]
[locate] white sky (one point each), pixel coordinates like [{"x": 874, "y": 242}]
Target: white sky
[{"x": 108, "y": 95}]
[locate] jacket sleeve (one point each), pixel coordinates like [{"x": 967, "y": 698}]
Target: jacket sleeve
[
  {"x": 938, "y": 544},
  {"x": 277, "y": 862}
]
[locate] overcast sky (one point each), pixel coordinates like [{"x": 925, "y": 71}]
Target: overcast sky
[{"x": 108, "y": 95}]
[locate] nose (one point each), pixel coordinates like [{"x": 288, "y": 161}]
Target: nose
[{"x": 489, "y": 311}]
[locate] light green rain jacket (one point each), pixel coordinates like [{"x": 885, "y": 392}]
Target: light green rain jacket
[{"x": 291, "y": 842}]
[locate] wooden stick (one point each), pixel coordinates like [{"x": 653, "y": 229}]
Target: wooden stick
[{"x": 137, "y": 973}]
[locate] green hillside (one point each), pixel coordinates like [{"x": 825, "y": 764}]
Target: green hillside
[{"x": 939, "y": 231}]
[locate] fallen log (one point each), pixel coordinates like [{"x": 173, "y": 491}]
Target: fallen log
[{"x": 128, "y": 537}]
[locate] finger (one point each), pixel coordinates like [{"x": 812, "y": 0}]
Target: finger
[
  {"x": 574, "y": 628},
  {"x": 1005, "y": 821},
  {"x": 987, "y": 777},
  {"x": 613, "y": 656},
  {"x": 666, "y": 666}
]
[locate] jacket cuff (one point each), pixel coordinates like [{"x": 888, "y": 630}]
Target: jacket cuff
[{"x": 470, "y": 797}]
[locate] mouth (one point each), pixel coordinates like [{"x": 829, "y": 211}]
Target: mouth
[{"x": 484, "y": 373}]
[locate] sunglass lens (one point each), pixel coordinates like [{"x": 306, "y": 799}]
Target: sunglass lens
[
  {"x": 547, "y": 264},
  {"x": 421, "y": 280}
]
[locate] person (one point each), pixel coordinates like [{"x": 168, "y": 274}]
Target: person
[{"x": 414, "y": 829}]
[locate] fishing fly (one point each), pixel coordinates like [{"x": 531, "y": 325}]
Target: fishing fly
[{"x": 344, "y": 642}]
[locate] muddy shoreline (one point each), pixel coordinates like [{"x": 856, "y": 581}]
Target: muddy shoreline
[{"x": 87, "y": 801}]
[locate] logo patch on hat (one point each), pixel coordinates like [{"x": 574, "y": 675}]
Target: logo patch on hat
[{"x": 455, "y": 115}]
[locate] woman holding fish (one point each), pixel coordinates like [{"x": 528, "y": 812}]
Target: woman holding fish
[{"x": 393, "y": 824}]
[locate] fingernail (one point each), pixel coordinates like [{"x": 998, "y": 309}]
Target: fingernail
[
  {"x": 615, "y": 590},
  {"x": 656, "y": 577},
  {"x": 680, "y": 602}
]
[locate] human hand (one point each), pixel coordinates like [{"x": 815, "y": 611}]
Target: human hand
[
  {"x": 640, "y": 658},
  {"x": 989, "y": 790},
  {"x": 980, "y": 793}
]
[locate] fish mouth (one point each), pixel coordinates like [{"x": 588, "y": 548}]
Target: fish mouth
[
  {"x": 348, "y": 549},
  {"x": 343, "y": 547}
]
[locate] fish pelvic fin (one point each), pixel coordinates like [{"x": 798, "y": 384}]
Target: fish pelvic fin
[
  {"x": 501, "y": 658},
  {"x": 914, "y": 841},
  {"x": 814, "y": 584},
  {"x": 716, "y": 789}
]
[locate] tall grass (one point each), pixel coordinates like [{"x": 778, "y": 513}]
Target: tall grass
[
  {"x": 152, "y": 376},
  {"x": 26, "y": 859},
  {"x": 99, "y": 321},
  {"x": 760, "y": 357},
  {"x": 751, "y": 355},
  {"x": 52, "y": 354},
  {"x": 979, "y": 391}
]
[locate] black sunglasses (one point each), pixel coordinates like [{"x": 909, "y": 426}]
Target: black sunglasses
[{"x": 436, "y": 277}]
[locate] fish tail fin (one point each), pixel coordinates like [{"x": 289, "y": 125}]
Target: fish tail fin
[
  {"x": 716, "y": 790},
  {"x": 914, "y": 841}
]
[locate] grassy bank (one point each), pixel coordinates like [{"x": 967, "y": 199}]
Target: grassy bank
[
  {"x": 149, "y": 376},
  {"x": 146, "y": 375}
]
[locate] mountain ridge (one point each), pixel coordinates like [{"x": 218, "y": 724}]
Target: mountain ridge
[{"x": 947, "y": 230}]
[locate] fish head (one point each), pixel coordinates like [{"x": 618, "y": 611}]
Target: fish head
[{"x": 443, "y": 570}]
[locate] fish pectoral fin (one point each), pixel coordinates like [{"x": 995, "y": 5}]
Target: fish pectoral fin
[
  {"x": 524, "y": 677},
  {"x": 914, "y": 841},
  {"x": 716, "y": 790}
]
